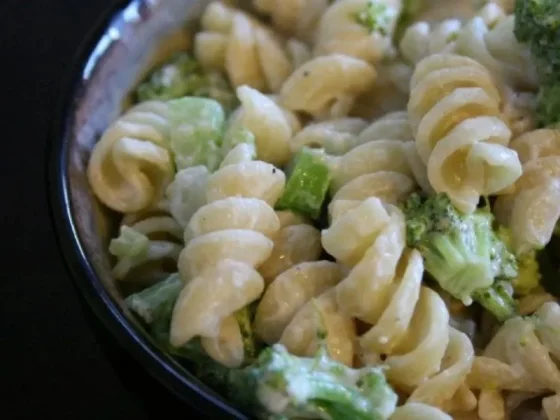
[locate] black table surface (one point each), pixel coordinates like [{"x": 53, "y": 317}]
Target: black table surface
[{"x": 55, "y": 357}]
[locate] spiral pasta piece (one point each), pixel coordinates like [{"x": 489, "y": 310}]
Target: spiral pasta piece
[
  {"x": 228, "y": 239},
  {"x": 410, "y": 329},
  {"x": 340, "y": 31},
  {"x": 532, "y": 208},
  {"x": 270, "y": 124},
  {"x": 148, "y": 246},
  {"x": 327, "y": 85},
  {"x": 454, "y": 112},
  {"x": 248, "y": 52},
  {"x": 336, "y": 136},
  {"x": 300, "y": 302},
  {"x": 131, "y": 165},
  {"x": 294, "y": 243},
  {"x": 385, "y": 145},
  {"x": 294, "y": 17},
  {"x": 490, "y": 40},
  {"x": 521, "y": 357}
]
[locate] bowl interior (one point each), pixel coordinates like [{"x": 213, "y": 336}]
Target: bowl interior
[{"x": 138, "y": 36}]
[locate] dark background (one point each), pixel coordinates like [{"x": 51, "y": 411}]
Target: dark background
[{"x": 55, "y": 358}]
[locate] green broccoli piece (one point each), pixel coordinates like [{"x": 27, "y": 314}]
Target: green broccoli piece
[
  {"x": 548, "y": 105},
  {"x": 461, "y": 251},
  {"x": 307, "y": 185},
  {"x": 537, "y": 23},
  {"x": 182, "y": 76},
  {"x": 376, "y": 17},
  {"x": 288, "y": 386},
  {"x": 154, "y": 307}
]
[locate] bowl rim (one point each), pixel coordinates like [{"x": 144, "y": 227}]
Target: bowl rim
[{"x": 160, "y": 365}]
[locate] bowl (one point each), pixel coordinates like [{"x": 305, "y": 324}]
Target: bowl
[{"x": 129, "y": 39}]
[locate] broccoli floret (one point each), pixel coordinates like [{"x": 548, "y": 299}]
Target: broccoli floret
[
  {"x": 528, "y": 276},
  {"x": 548, "y": 105},
  {"x": 296, "y": 387},
  {"x": 461, "y": 251},
  {"x": 182, "y": 76},
  {"x": 376, "y": 17},
  {"x": 537, "y": 23}
]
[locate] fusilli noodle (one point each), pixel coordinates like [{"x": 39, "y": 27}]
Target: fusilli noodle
[
  {"x": 294, "y": 17},
  {"x": 131, "y": 165},
  {"x": 454, "y": 112},
  {"x": 297, "y": 302},
  {"x": 386, "y": 145},
  {"x": 410, "y": 332},
  {"x": 267, "y": 122},
  {"x": 248, "y": 52},
  {"x": 340, "y": 32},
  {"x": 521, "y": 358},
  {"x": 327, "y": 85},
  {"x": 533, "y": 207},
  {"x": 220, "y": 260}
]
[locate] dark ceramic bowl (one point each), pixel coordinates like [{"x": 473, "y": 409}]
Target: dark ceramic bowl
[{"x": 126, "y": 43}]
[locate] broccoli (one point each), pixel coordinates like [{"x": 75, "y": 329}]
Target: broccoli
[
  {"x": 182, "y": 76},
  {"x": 537, "y": 23},
  {"x": 376, "y": 17},
  {"x": 288, "y": 386},
  {"x": 461, "y": 251}
]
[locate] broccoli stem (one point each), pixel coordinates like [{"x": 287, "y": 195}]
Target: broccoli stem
[
  {"x": 307, "y": 185},
  {"x": 496, "y": 300}
]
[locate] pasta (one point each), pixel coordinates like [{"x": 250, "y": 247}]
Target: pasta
[
  {"x": 295, "y": 17},
  {"x": 287, "y": 311},
  {"x": 384, "y": 285},
  {"x": 385, "y": 145},
  {"x": 327, "y": 85},
  {"x": 268, "y": 123},
  {"x": 532, "y": 209},
  {"x": 520, "y": 358},
  {"x": 367, "y": 227},
  {"x": 336, "y": 137},
  {"x": 223, "y": 254},
  {"x": 455, "y": 116},
  {"x": 340, "y": 32},
  {"x": 248, "y": 52},
  {"x": 131, "y": 166}
]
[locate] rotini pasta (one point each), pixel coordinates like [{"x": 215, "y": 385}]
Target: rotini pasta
[
  {"x": 520, "y": 357},
  {"x": 268, "y": 122},
  {"x": 131, "y": 165},
  {"x": 336, "y": 137},
  {"x": 384, "y": 285},
  {"x": 489, "y": 39},
  {"x": 340, "y": 31},
  {"x": 386, "y": 145},
  {"x": 532, "y": 209},
  {"x": 327, "y": 85},
  {"x": 454, "y": 112},
  {"x": 224, "y": 253},
  {"x": 294, "y": 17},
  {"x": 248, "y": 52}
]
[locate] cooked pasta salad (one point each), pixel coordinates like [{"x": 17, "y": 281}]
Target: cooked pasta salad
[{"x": 348, "y": 209}]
